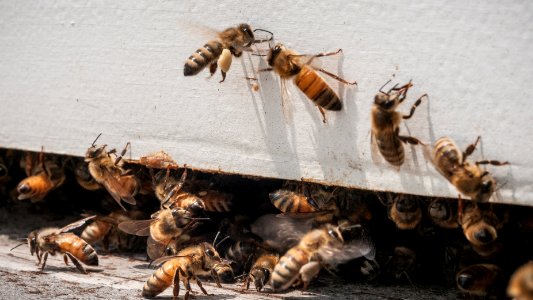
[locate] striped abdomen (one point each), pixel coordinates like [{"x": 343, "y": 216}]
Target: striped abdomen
[
  {"x": 216, "y": 201},
  {"x": 317, "y": 89},
  {"x": 288, "y": 268},
  {"x": 447, "y": 156},
  {"x": 96, "y": 231},
  {"x": 161, "y": 279},
  {"x": 390, "y": 147},
  {"x": 69, "y": 242},
  {"x": 202, "y": 57},
  {"x": 291, "y": 202}
]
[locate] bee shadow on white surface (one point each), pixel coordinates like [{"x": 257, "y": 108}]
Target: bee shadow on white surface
[{"x": 278, "y": 132}]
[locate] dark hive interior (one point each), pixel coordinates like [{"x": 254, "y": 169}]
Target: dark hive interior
[{"x": 417, "y": 241}]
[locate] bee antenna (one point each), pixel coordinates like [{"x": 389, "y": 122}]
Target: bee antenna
[
  {"x": 271, "y": 34},
  {"x": 96, "y": 139},
  {"x": 381, "y": 88},
  {"x": 19, "y": 245},
  {"x": 221, "y": 241}
]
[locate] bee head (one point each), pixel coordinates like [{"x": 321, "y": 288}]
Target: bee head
[
  {"x": 439, "y": 210},
  {"x": 24, "y": 189},
  {"x": 486, "y": 189},
  {"x": 32, "y": 242},
  {"x": 211, "y": 254},
  {"x": 274, "y": 52},
  {"x": 94, "y": 152},
  {"x": 335, "y": 234},
  {"x": 260, "y": 277},
  {"x": 406, "y": 205},
  {"x": 385, "y": 101},
  {"x": 248, "y": 34}
]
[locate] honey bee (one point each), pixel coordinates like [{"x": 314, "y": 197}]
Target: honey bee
[
  {"x": 190, "y": 262},
  {"x": 386, "y": 123},
  {"x": 480, "y": 226},
  {"x": 288, "y": 63},
  {"x": 467, "y": 176},
  {"x": 521, "y": 284},
  {"x": 319, "y": 247},
  {"x": 105, "y": 229},
  {"x": 405, "y": 211},
  {"x": 261, "y": 270},
  {"x": 479, "y": 280},
  {"x": 230, "y": 42},
  {"x": 42, "y": 178},
  {"x": 110, "y": 173},
  {"x": 59, "y": 240},
  {"x": 443, "y": 212}
]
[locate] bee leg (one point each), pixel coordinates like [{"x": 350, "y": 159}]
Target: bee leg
[
  {"x": 316, "y": 55},
  {"x": 176, "y": 282},
  {"x": 223, "y": 76},
  {"x": 246, "y": 284},
  {"x": 413, "y": 108},
  {"x": 76, "y": 263},
  {"x": 186, "y": 283},
  {"x": 215, "y": 276},
  {"x": 492, "y": 162},
  {"x": 409, "y": 139},
  {"x": 213, "y": 68},
  {"x": 128, "y": 144},
  {"x": 323, "y": 114},
  {"x": 45, "y": 257},
  {"x": 470, "y": 149},
  {"x": 336, "y": 77},
  {"x": 105, "y": 242},
  {"x": 308, "y": 272},
  {"x": 65, "y": 259},
  {"x": 199, "y": 283}
]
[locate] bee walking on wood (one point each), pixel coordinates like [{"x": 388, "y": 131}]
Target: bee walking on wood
[
  {"x": 467, "y": 176},
  {"x": 386, "y": 123},
  {"x": 111, "y": 174},
  {"x": 58, "y": 240},
  {"x": 288, "y": 64},
  {"x": 188, "y": 264},
  {"x": 219, "y": 52}
]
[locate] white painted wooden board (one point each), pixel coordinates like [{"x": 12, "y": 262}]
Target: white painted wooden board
[{"x": 72, "y": 69}]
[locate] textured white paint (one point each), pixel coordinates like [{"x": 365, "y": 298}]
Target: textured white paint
[{"x": 73, "y": 69}]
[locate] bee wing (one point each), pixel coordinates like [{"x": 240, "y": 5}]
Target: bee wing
[
  {"x": 75, "y": 224},
  {"x": 106, "y": 219},
  {"x": 136, "y": 227},
  {"x": 286, "y": 104},
  {"x": 115, "y": 184},
  {"x": 337, "y": 255},
  {"x": 374, "y": 150},
  {"x": 281, "y": 231}
]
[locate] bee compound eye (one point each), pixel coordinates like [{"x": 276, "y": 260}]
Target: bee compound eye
[
  {"x": 209, "y": 253},
  {"x": 23, "y": 189}
]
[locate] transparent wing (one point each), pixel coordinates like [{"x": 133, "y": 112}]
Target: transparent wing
[
  {"x": 281, "y": 231},
  {"x": 118, "y": 187},
  {"x": 75, "y": 224},
  {"x": 136, "y": 227},
  {"x": 286, "y": 103},
  {"x": 350, "y": 250}
]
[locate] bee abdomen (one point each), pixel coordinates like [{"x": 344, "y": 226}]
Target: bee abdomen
[
  {"x": 446, "y": 155},
  {"x": 160, "y": 280},
  {"x": 287, "y": 269},
  {"x": 316, "y": 89},
  {"x": 81, "y": 250},
  {"x": 95, "y": 232},
  {"x": 290, "y": 202},
  {"x": 202, "y": 57},
  {"x": 391, "y": 149}
]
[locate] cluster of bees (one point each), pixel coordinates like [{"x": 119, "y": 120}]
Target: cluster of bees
[{"x": 283, "y": 236}]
